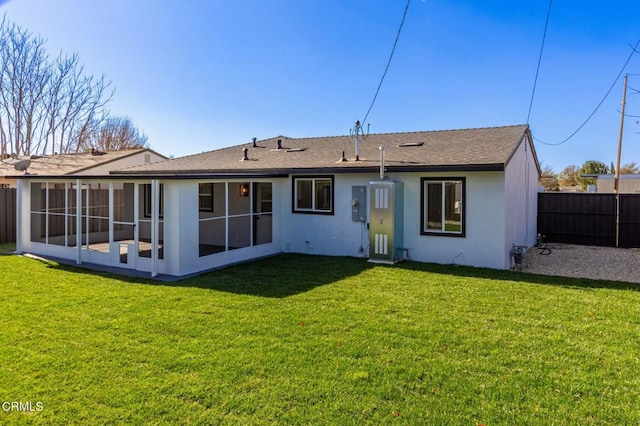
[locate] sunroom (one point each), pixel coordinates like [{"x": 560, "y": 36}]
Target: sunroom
[{"x": 172, "y": 227}]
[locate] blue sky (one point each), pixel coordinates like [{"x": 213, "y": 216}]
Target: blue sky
[{"x": 200, "y": 75}]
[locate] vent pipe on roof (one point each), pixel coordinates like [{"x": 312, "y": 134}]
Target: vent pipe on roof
[
  {"x": 245, "y": 157},
  {"x": 279, "y": 144},
  {"x": 254, "y": 142},
  {"x": 382, "y": 150},
  {"x": 343, "y": 157}
]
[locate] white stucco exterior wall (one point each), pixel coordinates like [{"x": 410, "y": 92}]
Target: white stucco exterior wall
[
  {"x": 521, "y": 202},
  {"x": 180, "y": 227},
  {"x": 338, "y": 235},
  {"x": 484, "y": 222},
  {"x": 331, "y": 235}
]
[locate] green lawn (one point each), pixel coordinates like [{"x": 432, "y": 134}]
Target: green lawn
[
  {"x": 6, "y": 248},
  {"x": 318, "y": 340}
]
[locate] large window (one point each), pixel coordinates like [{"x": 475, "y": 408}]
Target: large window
[
  {"x": 443, "y": 206},
  {"x": 53, "y": 214},
  {"x": 313, "y": 194},
  {"x": 234, "y": 215}
]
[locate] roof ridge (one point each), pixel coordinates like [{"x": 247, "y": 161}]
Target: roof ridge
[{"x": 400, "y": 133}]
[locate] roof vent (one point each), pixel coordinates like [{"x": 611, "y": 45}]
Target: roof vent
[
  {"x": 245, "y": 157},
  {"x": 343, "y": 159},
  {"x": 279, "y": 146},
  {"x": 295, "y": 149},
  {"x": 407, "y": 144},
  {"x": 96, "y": 152},
  {"x": 255, "y": 145}
]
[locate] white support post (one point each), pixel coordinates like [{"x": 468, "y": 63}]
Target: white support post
[
  {"x": 46, "y": 213},
  {"x": 251, "y": 213},
  {"x": 78, "y": 221},
  {"x": 111, "y": 216},
  {"x": 226, "y": 215},
  {"x": 155, "y": 215},
  {"x": 19, "y": 212},
  {"x": 66, "y": 214}
]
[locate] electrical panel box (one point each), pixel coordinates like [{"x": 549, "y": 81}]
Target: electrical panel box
[
  {"x": 386, "y": 234},
  {"x": 359, "y": 203}
]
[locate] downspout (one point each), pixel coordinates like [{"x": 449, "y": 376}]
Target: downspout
[{"x": 382, "y": 149}]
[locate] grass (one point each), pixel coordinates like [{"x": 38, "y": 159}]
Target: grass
[
  {"x": 6, "y": 248},
  {"x": 318, "y": 340}
]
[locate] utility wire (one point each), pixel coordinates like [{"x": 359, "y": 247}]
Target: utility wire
[
  {"x": 395, "y": 43},
  {"x": 633, "y": 51},
  {"x": 535, "y": 81}
]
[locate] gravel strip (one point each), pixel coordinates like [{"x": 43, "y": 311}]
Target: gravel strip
[{"x": 600, "y": 263}]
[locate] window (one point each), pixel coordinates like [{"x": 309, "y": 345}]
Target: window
[
  {"x": 313, "y": 194},
  {"x": 443, "y": 206},
  {"x": 242, "y": 217},
  {"x": 205, "y": 197}
]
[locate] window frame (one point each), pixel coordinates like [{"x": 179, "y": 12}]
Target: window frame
[
  {"x": 423, "y": 207},
  {"x": 313, "y": 209}
]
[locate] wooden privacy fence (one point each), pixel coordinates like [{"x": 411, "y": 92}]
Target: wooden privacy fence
[
  {"x": 590, "y": 219},
  {"x": 7, "y": 215}
]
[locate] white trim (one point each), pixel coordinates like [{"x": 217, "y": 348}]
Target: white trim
[
  {"x": 78, "y": 221},
  {"x": 155, "y": 214},
  {"x": 19, "y": 187}
]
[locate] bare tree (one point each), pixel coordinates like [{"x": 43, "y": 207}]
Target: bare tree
[
  {"x": 569, "y": 176},
  {"x": 549, "y": 179},
  {"x": 45, "y": 105},
  {"x": 113, "y": 134},
  {"x": 24, "y": 75}
]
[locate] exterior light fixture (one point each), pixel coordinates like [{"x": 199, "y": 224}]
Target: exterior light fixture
[{"x": 244, "y": 189}]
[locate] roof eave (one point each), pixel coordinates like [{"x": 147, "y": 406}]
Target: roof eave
[{"x": 276, "y": 173}]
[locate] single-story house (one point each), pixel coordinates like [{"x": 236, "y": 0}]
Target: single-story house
[
  {"x": 84, "y": 163},
  {"x": 628, "y": 183},
  {"x": 458, "y": 196}
]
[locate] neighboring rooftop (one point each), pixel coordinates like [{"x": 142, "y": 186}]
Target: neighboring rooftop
[
  {"x": 469, "y": 149},
  {"x": 66, "y": 164}
]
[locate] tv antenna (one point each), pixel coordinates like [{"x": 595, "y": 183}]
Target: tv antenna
[{"x": 355, "y": 133}]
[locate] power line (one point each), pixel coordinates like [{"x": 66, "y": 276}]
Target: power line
[
  {"x": 535, "y": 81},
  {"x": 395, "y": 43},
  {"x": 633, "y": 51}
]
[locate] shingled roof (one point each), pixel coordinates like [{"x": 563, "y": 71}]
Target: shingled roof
[
  {"x": 482, "y": 149},
  {"x": 65, "y": 164}
]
